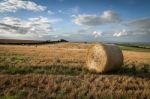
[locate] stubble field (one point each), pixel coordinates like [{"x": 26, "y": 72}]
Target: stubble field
[{"x": 59, "y": 71}]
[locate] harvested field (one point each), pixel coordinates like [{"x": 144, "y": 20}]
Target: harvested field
[
  {"x": 86, "y": 86},
  {"x": 58, "y": 71}
]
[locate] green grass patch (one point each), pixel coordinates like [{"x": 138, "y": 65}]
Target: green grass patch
[
  {"x": 16, "y": 58},
  {"x": 13, "y": 59},
  {"x": 56, "y": 70},
  {"x": 134, "y": 48},
  {"x": 16, "y": 95},
  {"x": 72, "y": 71},
  {"x": 20, "y": 70}
]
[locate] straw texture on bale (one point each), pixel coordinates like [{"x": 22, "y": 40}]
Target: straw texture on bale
[{"x": 104, "y": 57}]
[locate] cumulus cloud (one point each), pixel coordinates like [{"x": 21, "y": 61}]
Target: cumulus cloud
[
  {"x": 140, "y": 26},
  {"x": 94, "y": 20},
  {"x": 140, "y": 23},
  {"x": 14, "y": 26},
  {"x": 97, "y": 33},
  {"x": 122, "y": 33},
  {"x": 14, "y": 5},
  {"x": 130, "y": 33},
  {"x": 40, "y": 24}
]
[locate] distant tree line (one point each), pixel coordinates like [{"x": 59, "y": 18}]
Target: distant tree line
[{"x": 35, "y": 42}]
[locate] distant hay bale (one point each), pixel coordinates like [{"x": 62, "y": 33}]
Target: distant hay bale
[{"x": 103, "y": 58}]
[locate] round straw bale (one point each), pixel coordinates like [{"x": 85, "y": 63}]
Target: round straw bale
[{"x": 103, "y": 58}]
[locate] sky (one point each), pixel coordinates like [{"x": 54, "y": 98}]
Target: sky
[{"x": 76, "y": 20}]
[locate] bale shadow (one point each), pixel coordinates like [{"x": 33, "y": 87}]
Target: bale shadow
[{"x": 143, "y": 72}]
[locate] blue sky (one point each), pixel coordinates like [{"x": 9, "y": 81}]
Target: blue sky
[{"x": 76, "y": 20}]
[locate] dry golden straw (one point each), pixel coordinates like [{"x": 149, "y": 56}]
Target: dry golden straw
[{"x": 104, "y": 57}]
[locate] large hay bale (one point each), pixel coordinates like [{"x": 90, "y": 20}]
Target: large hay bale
[{"x": 103, "y": 58}]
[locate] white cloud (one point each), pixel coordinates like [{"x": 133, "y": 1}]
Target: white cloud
[
  {"x": 50, "y": 12},
  {"x": 75, "y": 10},
  {"x": 97, "y": 33},
  {"x": 10, "y": 26},
  {"x": 83, "y": 30},
  {"x": 56, "y": 20},
  {"x": 73, "y": 16},
  {"x": 56, "y": 36},
  {"x": 14, "y": 5},
  {"x": 140, "y": 23},
  {"x": 71, "y": 11},
  {"x": 94, "y": 20},
  {"x": 122, "y": 33},
  {"x": 139, "y": 27}
]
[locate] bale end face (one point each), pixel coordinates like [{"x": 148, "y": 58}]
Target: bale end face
[{"x": 103, "y": 58}]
